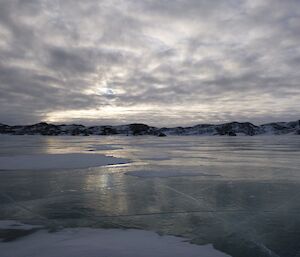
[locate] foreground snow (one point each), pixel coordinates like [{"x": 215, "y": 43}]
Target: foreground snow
[
  {"x": 102, "y": 243},
  {"x": 57, "y": 161}
]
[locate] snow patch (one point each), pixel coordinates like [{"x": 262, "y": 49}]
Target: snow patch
[
  {"x": 57, "y": 161},
  {"x": 102, "y": 243}
]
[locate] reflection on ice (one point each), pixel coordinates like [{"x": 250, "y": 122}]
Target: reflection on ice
[{"x": 169, "y": 173}]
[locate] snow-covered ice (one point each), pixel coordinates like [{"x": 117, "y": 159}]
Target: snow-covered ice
[
  {"x": 89, "y": 242},
  {"x": 57, "y": 161}
]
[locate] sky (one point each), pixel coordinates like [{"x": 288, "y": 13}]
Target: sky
[{"x": 159, "y": 62}]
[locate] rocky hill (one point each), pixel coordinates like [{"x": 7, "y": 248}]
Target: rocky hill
[{"x": 137, "y": 129}]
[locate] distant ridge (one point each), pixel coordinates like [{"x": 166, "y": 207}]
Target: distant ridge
[{"x": 138, "y": 129}]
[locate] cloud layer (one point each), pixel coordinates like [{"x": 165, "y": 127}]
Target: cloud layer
[{"x": 159, "y": 62}]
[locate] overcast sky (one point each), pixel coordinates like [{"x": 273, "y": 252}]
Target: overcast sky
[{"x": 164, "y": 62}]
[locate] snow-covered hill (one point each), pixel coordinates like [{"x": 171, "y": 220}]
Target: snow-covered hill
[{"x": 229, "y": 129}]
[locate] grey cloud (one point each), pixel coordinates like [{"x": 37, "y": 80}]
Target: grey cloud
[
  {"x": 196, "y": 60},
  {"x": 73, "y": 61}
]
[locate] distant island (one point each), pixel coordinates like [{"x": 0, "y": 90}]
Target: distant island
[{"x": 137, "y": 129}]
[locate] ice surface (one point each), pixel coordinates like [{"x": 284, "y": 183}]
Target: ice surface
[
  {"x": 57, "y": 161},
  {"x": 103, "y": 147},
  {"x": 168, "y": 173},
  {"x": 103, "y": 243},
  {"x": 239, "y": 194}
]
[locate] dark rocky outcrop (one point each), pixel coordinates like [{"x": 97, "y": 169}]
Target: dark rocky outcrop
[
  {"x": 234, "y": 128},
  {"x": 139, "y": 129},
  {"x": 162, "y": 134},
  {"x": 107, "y": 130}
]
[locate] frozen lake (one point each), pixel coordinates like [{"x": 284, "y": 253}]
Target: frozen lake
[{"x": 238, "y": 196}]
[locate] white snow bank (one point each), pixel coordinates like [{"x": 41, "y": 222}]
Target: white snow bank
[
  {"x": 103, "y": 243},
  {"x": 168, "y": 173},
  {"x": 57, "y": 161}
]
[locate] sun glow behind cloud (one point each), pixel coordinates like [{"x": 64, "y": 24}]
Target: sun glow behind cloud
[{"x": 121, "y": 114}]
